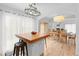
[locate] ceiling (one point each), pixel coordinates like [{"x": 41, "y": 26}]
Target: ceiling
[
  {"x": 47, "y": 8},
  {"x": 17, "y": 6},
  {"x": 21, "y": 6}
]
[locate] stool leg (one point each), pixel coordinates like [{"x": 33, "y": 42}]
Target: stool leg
[
  {"x": 23, "y": 51},
  {"x": 14, "y": 51},
  {"x": 17, "y": 51},
  {"x": 26, "y": 49}
]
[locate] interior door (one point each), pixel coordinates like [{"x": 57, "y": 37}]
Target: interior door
[{"x": 43, "y": 28}]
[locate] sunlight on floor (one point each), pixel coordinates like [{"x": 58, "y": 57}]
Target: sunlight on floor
[{"x": 56, "y": 48}]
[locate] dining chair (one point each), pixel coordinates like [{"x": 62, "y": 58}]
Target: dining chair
[
  {"x": 71, "y": 39},
  {"x": 57, "y": 34},
  {"x": 63, "y": 36}
]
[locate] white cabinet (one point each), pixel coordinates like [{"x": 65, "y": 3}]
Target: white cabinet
[{"x": 36, "y": 48}]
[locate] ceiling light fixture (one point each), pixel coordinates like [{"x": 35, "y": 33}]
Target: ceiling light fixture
[
  {"x": 31, "y": 10},
  {"x": 59, "y": 20}
]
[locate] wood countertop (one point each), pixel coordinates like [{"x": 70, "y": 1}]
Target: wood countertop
[{"x": 30, "y": 38}]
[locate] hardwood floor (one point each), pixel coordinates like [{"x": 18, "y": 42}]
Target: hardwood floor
[{"x": 56, "y": 48}]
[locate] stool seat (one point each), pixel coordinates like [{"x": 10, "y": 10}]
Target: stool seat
[{"x": 18, "y": 44}]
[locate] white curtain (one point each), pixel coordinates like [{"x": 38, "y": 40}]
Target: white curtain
[
  {"x": 14, "y": 24},
  {"x": 28, "y": 25}
]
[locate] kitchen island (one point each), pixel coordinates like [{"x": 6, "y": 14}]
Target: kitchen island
[{"x": 34, "y": 42}]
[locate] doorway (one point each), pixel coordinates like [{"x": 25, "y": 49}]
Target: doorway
[{"x": 43, "y": 28}]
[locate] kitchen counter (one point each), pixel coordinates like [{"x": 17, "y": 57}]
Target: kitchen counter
[{"x": 35, "y": 43}]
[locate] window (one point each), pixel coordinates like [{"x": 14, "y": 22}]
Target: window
[
  {"x": 14, "y": 24},
  {"x": 70, "y": 28}
]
